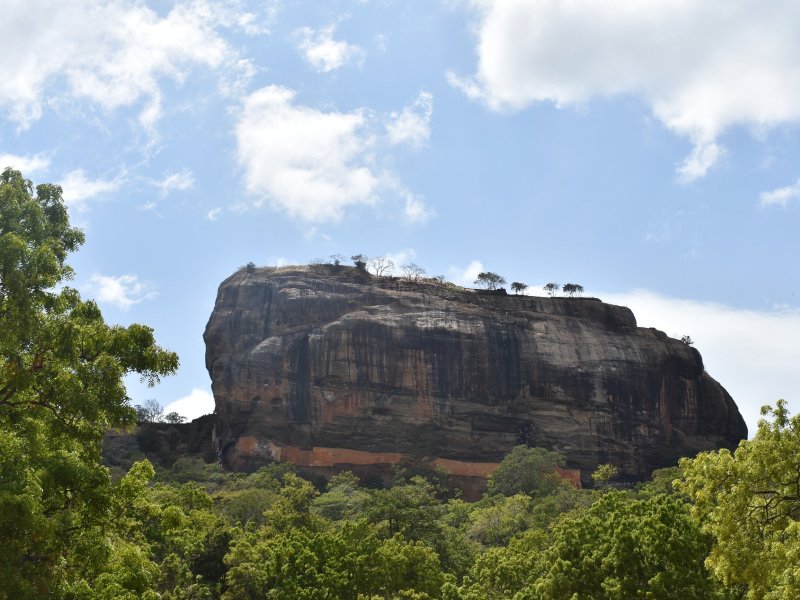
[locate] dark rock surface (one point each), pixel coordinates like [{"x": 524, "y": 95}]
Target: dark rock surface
[{"x": 331, "y": 367}]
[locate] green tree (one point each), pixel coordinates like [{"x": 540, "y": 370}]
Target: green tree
[
  {"x": 749, "y": 501},
  {"x": 489, "y": 280},
  {"x": 519, "y": 287},
  {"x": 530, "y": 471},
  {"x": 625, "y": 549},
  {"x": 61, "y": 388}
]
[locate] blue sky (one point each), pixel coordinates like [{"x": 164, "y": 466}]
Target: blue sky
[{"x": 647, "y": 150}]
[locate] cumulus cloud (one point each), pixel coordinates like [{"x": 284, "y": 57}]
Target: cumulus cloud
[
  {"x": 79, "y": 189},
  {"x": 308, "y": 163},
  {"x": 112, "y": 54},
  {"x": 122, "y": 291},
  {"x": 781, "y": 196},
  {"x": 197, "y": 403},
  {"x": 754, "y": 354},
  {"x": 28, "y": 165},
  {"x": 467, "y": 275},
  {"x": 213, "y": 214},
  {"x": 701, "y": 67},
  {"x": 324, "y": 53},
  {"x": 412, "y": 125}
]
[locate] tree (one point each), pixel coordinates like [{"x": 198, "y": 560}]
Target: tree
[
  {"x": 518, "y": 286},
  {"x": 412, "y": 271},
  {"x": 491, "y": 281},
  {"x": 360, "y": 261},
  {"x": 149, "y": 412},
  {"x": 687, "y": 340},
  {"x": 570, "y": 289},
  {"x": 174, "y": 418},
  {"x": 621, "y": 548},
  {"x": 529, "y": 471},
  {"x": 61, "y": 388},
  {"x": 551, "y": 289},
  {"x": 337, "y": 259},
  {"x": 749, "y": 501},
  {"x": 380, "y": 265}
]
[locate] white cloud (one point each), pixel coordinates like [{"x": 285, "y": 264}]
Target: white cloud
[
  {"x": 753, "y": 354},
  {"x": 306, "y": 162},
  {"x": 213, "y": 214},
  {"x": 180, "y": 181},
  {"x": 112, "y": 54},
  {"x": 197, "y": 403},
  {"x": 416, "y": 211},
  {"x": 324, "y": 53},
  {"x": 702, "y": 67},
  {"x": 122, "y": 291},
  {"x": 412, "y": 125},
  {"x": 466, "y": 276},
  {"x": 27, "y": 165},
  {"x": 78, "y": 189},
  {"x": 781, "y": 196}
]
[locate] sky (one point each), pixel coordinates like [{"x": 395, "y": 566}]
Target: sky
[{"x": 648, "y": 150}]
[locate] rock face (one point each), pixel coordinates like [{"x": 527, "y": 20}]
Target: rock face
[{"x": 329, "y": 367}]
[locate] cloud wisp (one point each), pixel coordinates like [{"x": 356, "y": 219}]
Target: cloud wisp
[
  {"x": 700, "y": 68},
  {"x": 28, "y": 165},
  {"x": 122, "y": 291},
  {"x": 79, "y": 189},
  {"x": 782, "y": 196}
]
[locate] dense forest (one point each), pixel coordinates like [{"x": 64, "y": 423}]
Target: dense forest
[{"x": 721, "y": 525}]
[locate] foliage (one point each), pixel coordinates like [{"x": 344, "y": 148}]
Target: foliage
[
  {"x": 749, "y": 501},
  {"x": 570, "y": 289},
  {"x": 604, "y": 473},
  {"x": 529, "y": 471},
  {"x": 61, "y": 387},
  {"x": 687, "y": 340},
  {"x": 174, "y": 418},
  {"x": 551, "y": 288},
  {"x": 360, "y": 261},
  {"x": 624, "y": 549},
  {"x": 518, "y": 286},
  {"x": 489, "y": 280}
]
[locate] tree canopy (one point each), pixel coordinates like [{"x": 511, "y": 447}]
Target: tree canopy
[
  {"x": 61, "y": 388},
  {"x": 489, "y": 280}
]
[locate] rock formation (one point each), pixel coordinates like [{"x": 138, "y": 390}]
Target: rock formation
[{"x": 330, "y": 367}]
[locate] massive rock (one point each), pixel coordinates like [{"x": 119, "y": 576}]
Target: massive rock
[{"x": 329, "y": 367}]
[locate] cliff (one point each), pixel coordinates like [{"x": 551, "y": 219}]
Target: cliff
[{"x": 333, "y": 368}]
